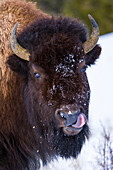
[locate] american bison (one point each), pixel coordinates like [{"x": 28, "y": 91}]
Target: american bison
[{"x": 44, "y": 91}]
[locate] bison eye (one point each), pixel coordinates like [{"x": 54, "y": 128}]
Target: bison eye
[
  {"x": 83, "y": 69},
  {"x": 37, "y": 75}
]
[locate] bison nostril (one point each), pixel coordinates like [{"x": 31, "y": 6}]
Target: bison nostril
[
  {"x": 62, "y": 114},
  {"x": 61, "y": 118},
  {"x": 78, "y": 112}
]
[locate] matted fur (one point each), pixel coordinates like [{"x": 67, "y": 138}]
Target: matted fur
[{"x": 28, "y": 128}]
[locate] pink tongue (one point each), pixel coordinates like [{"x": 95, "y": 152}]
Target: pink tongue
[{"x": 80, "y": 121}]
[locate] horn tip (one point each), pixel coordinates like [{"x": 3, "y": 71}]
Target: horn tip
[
  {"x": 94, "y": 24},
  {"x": 16, "y": 25},
  {"x": 90, "y": 17},
  {"x": 14, "y": 29}
]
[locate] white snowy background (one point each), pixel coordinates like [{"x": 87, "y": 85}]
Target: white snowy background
[{"x": 100, "y": 77}]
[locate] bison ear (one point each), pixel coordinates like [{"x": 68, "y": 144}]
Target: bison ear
[
  {"x": 18, "y": 65},
  {"x": 93, "y": 55}
]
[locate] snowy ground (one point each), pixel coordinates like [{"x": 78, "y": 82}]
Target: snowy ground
[{"x": 101, "y": 108}]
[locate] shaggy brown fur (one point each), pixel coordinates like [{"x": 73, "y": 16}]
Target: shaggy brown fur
[{"x": 28, "y": 128}]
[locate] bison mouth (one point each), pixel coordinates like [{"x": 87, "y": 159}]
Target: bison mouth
[
  {"x": 76, "y": 127},
  {"x": 71, "y": 123}
]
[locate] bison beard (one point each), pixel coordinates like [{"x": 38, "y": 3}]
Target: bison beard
[
  {"x": 45, "y": 90},
  {"x": 66, "y": 146}
]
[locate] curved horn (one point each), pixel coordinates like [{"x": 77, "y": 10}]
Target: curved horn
[
  {"x": 92, "y": 41},
  {"x": 17, "y": 49}
]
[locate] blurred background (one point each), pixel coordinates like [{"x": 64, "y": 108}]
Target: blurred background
[{"x": 101, "y": 10}]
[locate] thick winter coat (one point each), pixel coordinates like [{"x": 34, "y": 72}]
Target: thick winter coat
[{"x": 44, "y": 91}]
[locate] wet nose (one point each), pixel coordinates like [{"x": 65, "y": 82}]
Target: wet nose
[{"x": 68, "y": 119}]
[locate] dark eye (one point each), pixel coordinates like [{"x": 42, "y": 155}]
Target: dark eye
[
  {"x": 37, "y": 75},
  {"x": 83, "y": 69}
]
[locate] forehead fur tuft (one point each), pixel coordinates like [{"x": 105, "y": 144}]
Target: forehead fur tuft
[{"x": 50, "y": 40}]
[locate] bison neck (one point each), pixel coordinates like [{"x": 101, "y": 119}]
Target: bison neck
[{"x": 16, "y": 136}]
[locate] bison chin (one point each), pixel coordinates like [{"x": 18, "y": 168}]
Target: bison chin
[{"x": 69, "y": 146}]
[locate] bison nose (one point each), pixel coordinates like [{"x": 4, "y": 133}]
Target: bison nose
[{"x": 67, "y": 119}]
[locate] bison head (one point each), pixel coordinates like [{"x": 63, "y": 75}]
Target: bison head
[{"x": 56, "y": 93}]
